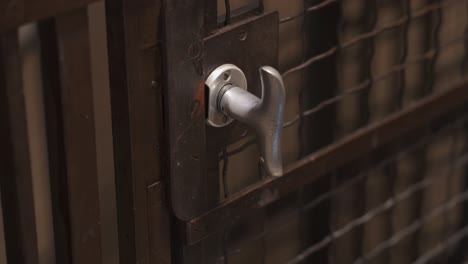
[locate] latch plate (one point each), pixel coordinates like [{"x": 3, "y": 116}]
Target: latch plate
[{"x": 249, "y": 45}]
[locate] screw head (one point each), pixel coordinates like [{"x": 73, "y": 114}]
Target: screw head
[{"x": 226, "y": 75}]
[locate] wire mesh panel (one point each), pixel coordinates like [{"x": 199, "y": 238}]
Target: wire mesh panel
[
  {"x": 347, "y": 65},
  {"x": 419, "y": 217}
]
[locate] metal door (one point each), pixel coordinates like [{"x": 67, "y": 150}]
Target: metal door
[
  {"x": 373, "y": 144},
  {"x": 373, "y": 138}
]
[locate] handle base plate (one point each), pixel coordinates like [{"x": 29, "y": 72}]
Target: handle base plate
[{"x": 226, "y": 74}]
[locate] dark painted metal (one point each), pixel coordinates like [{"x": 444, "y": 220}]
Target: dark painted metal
[
  {"x": 317, "y": 131},
  {"x": 184, "y": 92},
  {"x": 79, "y": 136},
  {"x": 135, "y": 70},
  {"x": 55, "y": 141},
  {"x": 210, "y": 17},
  {"x": 193, "y": 165},
  {"x": 312, "y": 167},
  {"x": 16, "y": 183}
]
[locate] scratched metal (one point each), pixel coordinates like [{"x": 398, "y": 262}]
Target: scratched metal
[
  {"x": 194, "y": 164},
  {"x": 184, "y": 104}
]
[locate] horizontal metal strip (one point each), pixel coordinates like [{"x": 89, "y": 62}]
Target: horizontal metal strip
[
  {"x": 396, "y": 155},
  {"x": 314, "y": 166},
  {"x": 19, "y": 12}
]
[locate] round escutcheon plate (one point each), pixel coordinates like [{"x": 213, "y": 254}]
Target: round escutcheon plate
[{"x": 226, "y": 74}]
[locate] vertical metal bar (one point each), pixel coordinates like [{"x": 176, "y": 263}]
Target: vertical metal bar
[
  {"x": 372, "y": 19},
  {"x": 317, "y": 130},
  {"x": 55, "y": 141},
  {"x": 16, "y": 182},
  {"x": 447, "y": 225},
  {"x": 104, "y": 150},
  {"x": 227, "y": 17},
  {"x": 351, "y": 113},
  {"x": 210, "y": 16},
  {"x": 383, "y": 100},
  {"x": 397, "y": 213},
  {"x": 334, "y": 250},
  {"x": 460, "y": 254},
  {"x": 185, "y": 104},
  {"x": 392, "y": 173},
  {"x": 406, "y": 12},
  {"x": 33, "y": 90},
  {"x": 333, "y": 256},
  {"x": 305, "y": 232},
  {"x": 263, "y": 240},
  {"x": 437, "y": 159},
  {"x": 79, "y": 136},
  {"x": 301, "y": 89},
  {"x": 3, "y": 256},
  {"x": 131, "y": 247},
  {"x": 464, "y": 65},
  {"x": 412, "y": 168},
  {"x": 436, "y": 22},
  {"x": 135, "y": 68}
]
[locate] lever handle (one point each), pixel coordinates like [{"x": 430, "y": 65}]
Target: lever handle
[{"x": 264, "y": 114}]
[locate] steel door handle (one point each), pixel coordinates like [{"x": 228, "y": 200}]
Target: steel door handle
[{"x": 229, "y": 98}]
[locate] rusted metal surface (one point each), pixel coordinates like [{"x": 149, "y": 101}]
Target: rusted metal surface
[
  {"x": 312, "y": 167},
  {"x": 79, "y": 136},
  {"x": 184, "y": 93},
  {"x": 16, "y": 183},
  {"x": 136, "y": 97},
  {"x": 14, "y": 13}
]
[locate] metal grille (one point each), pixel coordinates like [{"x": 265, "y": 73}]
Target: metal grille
[
  {"x": 353, "y": 63},
  {"x": 347, "y": 65},
  {"x": 419, "y": 214}
]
